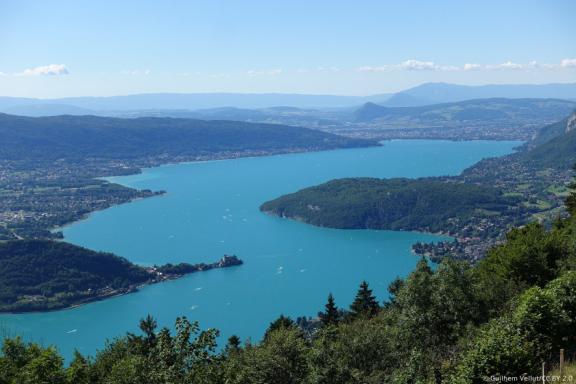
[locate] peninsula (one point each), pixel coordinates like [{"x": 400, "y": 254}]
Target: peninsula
[
  {"x": 43, "y": 275},
  {"x": 477, "y": 207}
]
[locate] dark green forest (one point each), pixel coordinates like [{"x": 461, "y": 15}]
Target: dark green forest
[
  {"x": 396, "y": 204},
  {"x": 453, "y": 323},
  {"x": 43, "y": 274}
]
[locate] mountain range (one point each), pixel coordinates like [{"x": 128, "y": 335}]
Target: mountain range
[
  {"x": 469, "y": 110},
  {"x": 425, "y": 94},
  {"x": 432, "y": 93},
  {"x": 555, "y": 146}
]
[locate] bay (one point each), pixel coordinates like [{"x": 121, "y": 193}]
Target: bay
[{"x": 211, "y": 209}]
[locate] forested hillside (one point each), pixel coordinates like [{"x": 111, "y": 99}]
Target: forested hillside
[
  {"x": 42, "y": 275},
  {"x": 558, "y": 151},
  {"x": 396, "y": 204},
  {"x": 79, "y": 137}
]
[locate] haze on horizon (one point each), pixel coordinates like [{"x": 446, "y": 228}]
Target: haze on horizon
[{"x": 67, "y": 48}]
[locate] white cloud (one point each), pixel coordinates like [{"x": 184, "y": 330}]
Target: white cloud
[
  {"x": 417, "y": 65},
  {"x": 410, "y": 65},
  {"x": 46, "y": 70},
  {"x": 450, "y": 68},
  {"x": 471, "y": 67},
  {"x": 568, "y": 63},
  {"x": 508, "y": 65},
  {"x": 268, "y": 72}
]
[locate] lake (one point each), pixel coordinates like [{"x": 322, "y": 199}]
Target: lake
[{"x": 211, "y": 209}]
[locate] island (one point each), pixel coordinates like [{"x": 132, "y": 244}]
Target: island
[{"x": 43, "y": 275}]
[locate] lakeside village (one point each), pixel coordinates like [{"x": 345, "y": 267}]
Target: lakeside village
[{"x": 540, "y": 195}]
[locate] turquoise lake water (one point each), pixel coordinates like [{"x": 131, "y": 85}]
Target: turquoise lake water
[{"x": 211, "y": 209}]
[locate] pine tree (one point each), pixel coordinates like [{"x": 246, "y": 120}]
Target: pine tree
[
  {"x": 148, "y": 326},
  {"x": 330, "y": 316},
  {"x": 234, "y": 343},
  {"x": 393, "y": 289},
  {"x": 365, "y": 303}
]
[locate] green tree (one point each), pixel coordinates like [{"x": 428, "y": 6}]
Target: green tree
[
  {"x": 354, "y": 352},
  {"x": 499, "y": 350},
  {"x": 365, "y": 303},
  {"x": 131, "y": 369},
  {"x": 46, "y": 368},
  {"x": 282, "y": 322},
  {"x": 30, "y": 363},
  {"x": 281, "y": 359},
  {"x": 79, "y": 370},
  {"x": 330, "y": 316},
  {"x": 393, "y": 289},
  {"x": 326, "y": 360},
  {"x": 148, "y": 326},
  {"x": 234, "y": 342},
  {"x": 530, "y": 256},
  {"x": 433, "y": 311},
  {"x": 186, "y": 357}
]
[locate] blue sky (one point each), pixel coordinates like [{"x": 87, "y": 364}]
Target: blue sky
[{"x": 55, "y": 48}]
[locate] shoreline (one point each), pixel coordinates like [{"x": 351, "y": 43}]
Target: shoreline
[
  {"x": 87, "y": 216},
  {"x": 443, "y": 237},
  {"x": 424, "y": 232},
  {"x": 93, "y": 299},
  {"x": 157, "y": 277},
  {"x": 141, "y": 169},
  {"x": 138, "y": 170},
  {"x": 247, "y": 156}
]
